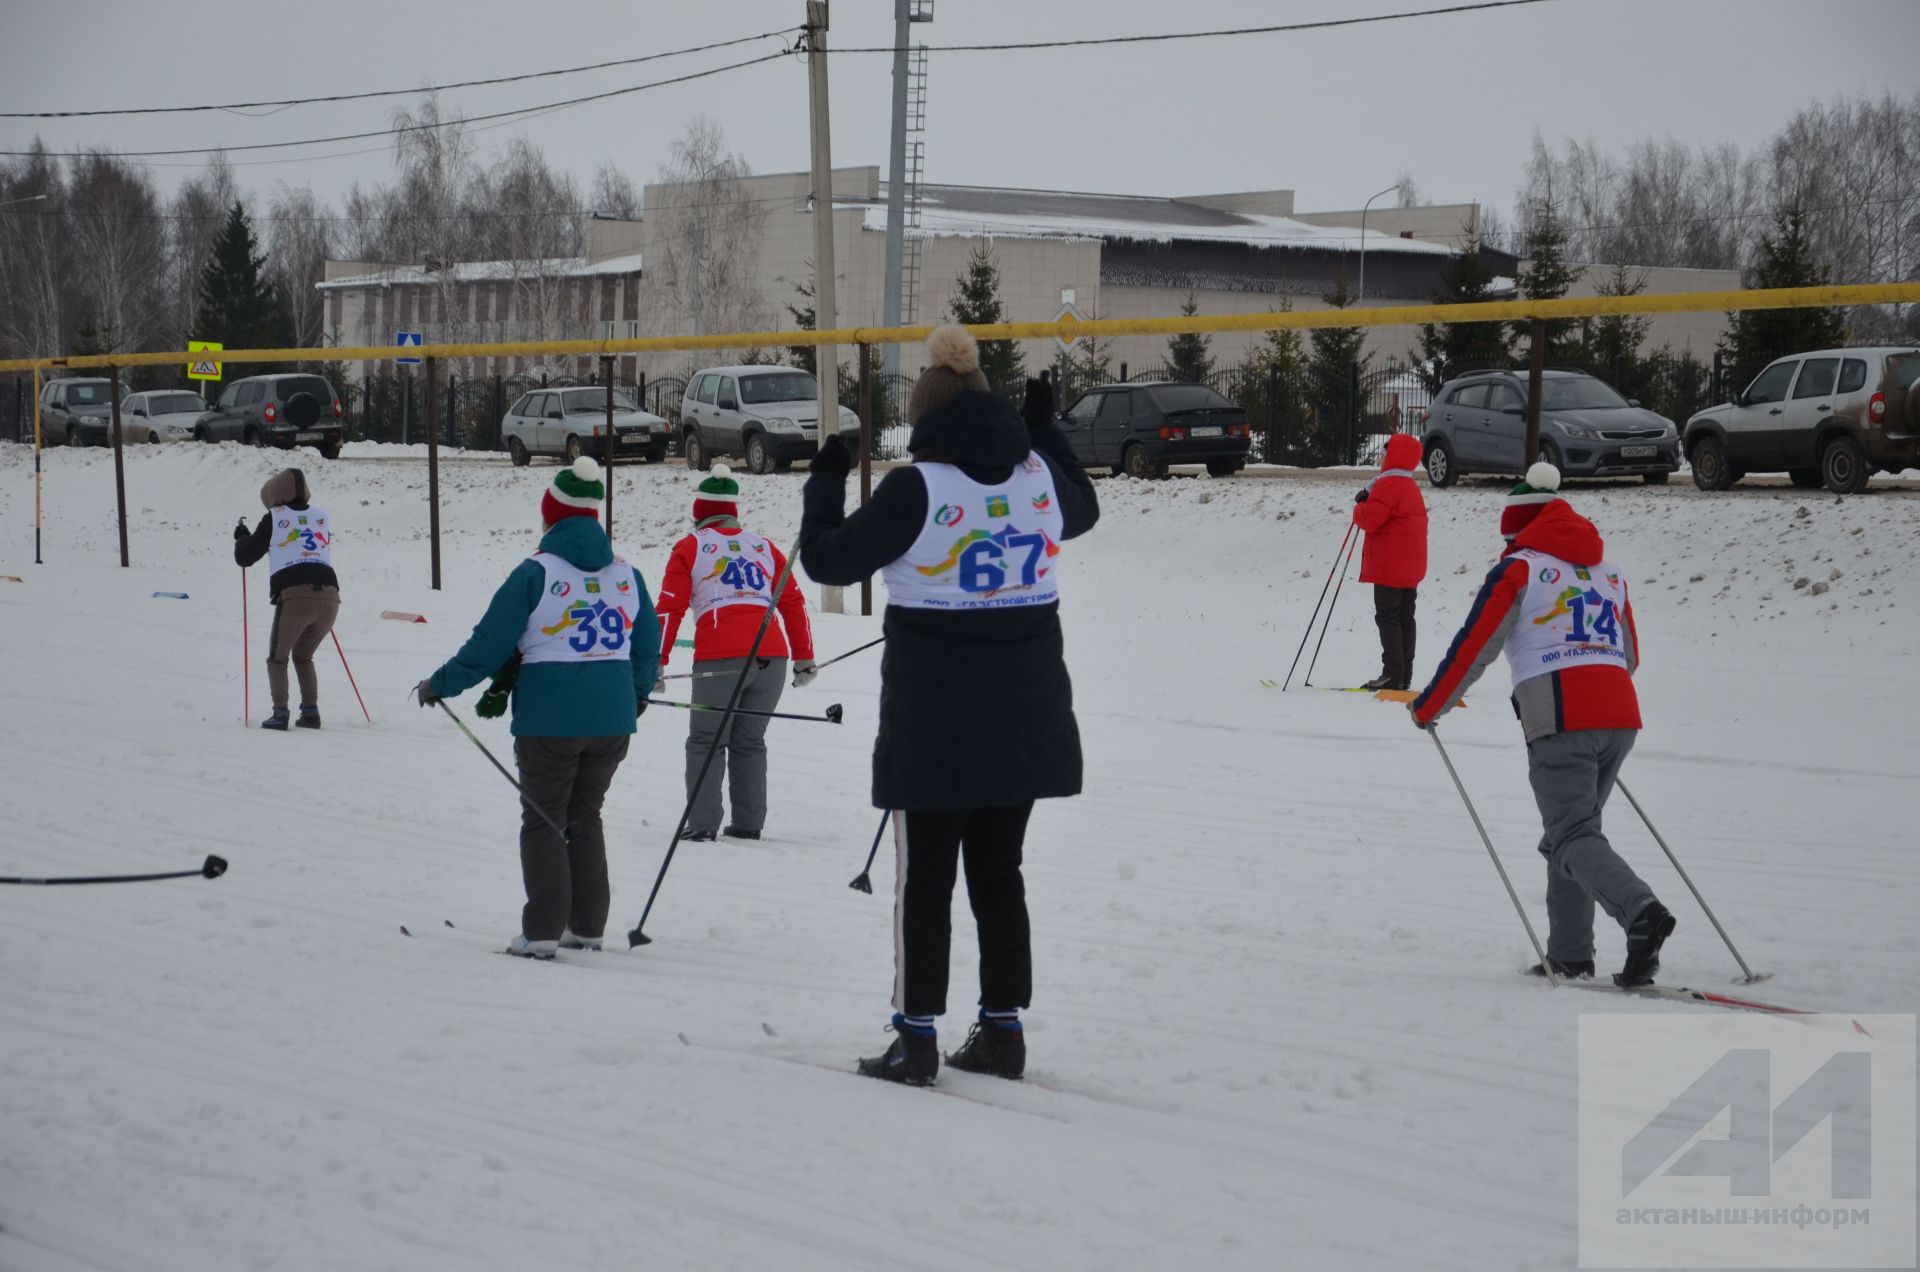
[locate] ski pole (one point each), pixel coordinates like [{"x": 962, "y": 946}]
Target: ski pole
[
  {"x": 638, "y": 936},
  {"x": 860, "y": 649},
  {"x": 1314, "y": 661},
  {"x": 350, "y": 679},
  {"x": 709, "y": 675},
  {"x": 860, "y": 881},
  {"x": 1545, "y": 965},
  {"x": 1751, "y": 976},
  {"x": 246, "y": 651},
  {"x": 524, "y": 797},
  {"x": 832, "y": 715},
  {"x": 1304, "y": 636},
  {"x": 213, "y": 868}
]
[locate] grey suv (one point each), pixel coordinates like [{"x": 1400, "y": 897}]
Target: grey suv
[
  {"x": 276, "y": 410},
  {"x": 76, "y": 412},
  {"x": 767, "y": 415},
  {"x": 1477, "y": 423},
  {"x": 1832, "y": 417}
]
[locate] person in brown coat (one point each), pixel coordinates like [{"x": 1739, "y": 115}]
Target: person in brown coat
[{"x": 297, "y": 540}]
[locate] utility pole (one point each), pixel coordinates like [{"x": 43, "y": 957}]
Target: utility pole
[
  {"x": 826, "y": 312},
  {"x": 896, "y": 184}
]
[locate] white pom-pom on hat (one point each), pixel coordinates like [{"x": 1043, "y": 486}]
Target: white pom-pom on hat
[
  {"x": 953, "y": 348},
  {"x": 586, "y": 468},
  {"x": 1543, "y": 476},
  {"x": 722, "y": 470}
]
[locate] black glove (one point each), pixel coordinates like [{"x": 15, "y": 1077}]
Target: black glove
[
  {"x": 240, "y": 532},
  {"x": 833, "y": 459},
  {"x": 493, "y": 703},
  {"x": 1037, "y": 408},
  {"x": 639, "y": 708},
  {"x": 424, "y": 692},
  {"x": 1360, "y": 496}
]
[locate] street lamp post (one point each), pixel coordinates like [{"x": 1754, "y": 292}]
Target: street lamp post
[{"x": 1363, "y": 239}]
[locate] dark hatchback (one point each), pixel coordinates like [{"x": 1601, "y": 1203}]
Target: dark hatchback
[
  {"x": 1140, "y": 428},
  {"x": 276, "y": 410}
]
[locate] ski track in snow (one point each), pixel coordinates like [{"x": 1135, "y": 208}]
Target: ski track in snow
[{"x": 1276, "y": 1018}]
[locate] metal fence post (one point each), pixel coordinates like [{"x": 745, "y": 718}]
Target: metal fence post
[
  {"x": 433, "y": 474},
  {"x": 453, "y": 412},
  {"x": 119, "y": 461},
  {"x": 406, "y": 407},
  {"x": 1273, "y": 414},
  {"x": 1536, "y": 363},
  {"x": 606, "y": 450},
  {"x": 1123, "y": 373}
]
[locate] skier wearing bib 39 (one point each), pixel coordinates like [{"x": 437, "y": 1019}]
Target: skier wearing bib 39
[
  {"x": 1394, "y": 518},
  {"x": 297, "y": 541},
  {"x": 976, "y": 709},
  {"x": 579, "y": 621},
  {"x": 1560, "y": 609},
  {"x": 725, "y": 573}
]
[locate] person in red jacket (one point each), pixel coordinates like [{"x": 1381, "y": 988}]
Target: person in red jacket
[
  {"x": 1394, "y": 518},
  {"x": 1560, "y": 610},
  {"x": 725, "y": 574}
]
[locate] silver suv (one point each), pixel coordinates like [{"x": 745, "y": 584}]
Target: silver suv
[
  {"x": 1478, "y": 424},
  {"x": 767, "y": 415},
  {"x": 571, "y": 422},
  {"x": 76, "y": 412},
  {"x": 1832, "y": 417}
]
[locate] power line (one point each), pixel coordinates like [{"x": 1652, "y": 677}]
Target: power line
[
  {"x": 511, "y": 115},
  {"x": 393, "y": 92}
]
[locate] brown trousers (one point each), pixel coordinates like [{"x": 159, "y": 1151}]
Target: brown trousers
[{"x": 301, "y": 620}]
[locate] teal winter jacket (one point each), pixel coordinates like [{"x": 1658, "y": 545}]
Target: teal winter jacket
[{"x": 559, "y": 700}]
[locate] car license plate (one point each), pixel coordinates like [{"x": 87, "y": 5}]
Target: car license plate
[
  {"x": 1207, "y": 430},
  {"x": 1639, "y": 452},
  {"x": 307, "y": 437}
]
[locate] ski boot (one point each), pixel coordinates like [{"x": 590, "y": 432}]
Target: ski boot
[
  {"x": 568, "y": 941},
  {"x": 734, "y": 832},
  {"x": 1380, "y": 682},
  {"x": 994, "y": 1047},
  {"x": 521, "y": 947},
  {"x": 277, "y": 721},
  {"x": 309, "y": 718},
  {"x": 1647, "y": 933},
  {"x": 914, "y": 1057},
  {"x": 1572, "y": 969},
  {"x": 698, "y": 836}
]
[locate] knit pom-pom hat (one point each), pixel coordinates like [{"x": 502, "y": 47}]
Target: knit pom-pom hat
[
  {"x": 577, "y": 491},
  {"x": 1524, "y": 502},
  {"x": 953, "y": 367},
  {"x": 717, "y": 495}
]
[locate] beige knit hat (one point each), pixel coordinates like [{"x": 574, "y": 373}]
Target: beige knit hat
[{"x": 953, "y": 367}]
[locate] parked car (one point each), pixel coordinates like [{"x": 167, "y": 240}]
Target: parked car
[
  {"x": 1142, "y": 426},
  {"x": 570, "y": 422},
  {"x": 276, "y": 410},
  {"x": 1833, "y": 416},
  {"x": 75, "y": 412},
  {"x": 1477, "y": 423},
  {"x": 160, "y": 415},
  {"x": 767, "y": 415}
]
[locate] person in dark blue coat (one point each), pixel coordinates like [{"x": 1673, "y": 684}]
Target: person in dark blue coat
[{"x": 572, "y": 636}]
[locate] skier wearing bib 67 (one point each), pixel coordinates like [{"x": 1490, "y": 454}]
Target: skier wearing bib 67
[
  {"x": 1560, "y": 609},
  {"x": 573, "y": 633},
  {"x": 297, "y": 541},
  {"x": 976, "y": 709},
  {"x": 725, "y": 574}
]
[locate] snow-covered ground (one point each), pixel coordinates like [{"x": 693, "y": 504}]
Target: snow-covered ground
[{"x": 1277, "y": 1021}]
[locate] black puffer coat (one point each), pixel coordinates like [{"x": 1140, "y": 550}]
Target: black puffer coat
[{"x": 976, "y": 709}]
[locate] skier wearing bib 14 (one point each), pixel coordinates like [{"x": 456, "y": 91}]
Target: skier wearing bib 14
[
  {"x": 297, "y": 541},
  {"x": 976, "y": 710},
  {"x": 725, "y": 574},
  {"x": 1560, "y": 609}
]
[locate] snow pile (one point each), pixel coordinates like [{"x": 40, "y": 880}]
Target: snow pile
[{"x": 1277, "y": 1018}]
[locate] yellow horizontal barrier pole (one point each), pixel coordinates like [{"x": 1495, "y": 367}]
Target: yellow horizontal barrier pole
[{"x": 1839, "y": 296}]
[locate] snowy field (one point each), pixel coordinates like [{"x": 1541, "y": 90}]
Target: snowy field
[{"x": 1277, "y": 1020}]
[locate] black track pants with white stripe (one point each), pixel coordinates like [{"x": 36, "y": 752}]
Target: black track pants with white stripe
[{"x": 929, "y": 848}]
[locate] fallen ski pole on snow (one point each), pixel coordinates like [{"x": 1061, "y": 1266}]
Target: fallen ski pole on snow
[
  {"x": 1314, "y": 661},
  {"x": 524, "y": 799},
  {"x": 1751, "y": 976},
  {"x": 1518, "y": 909},
  {"x": 860, "y": 881},
  {"x": 1314, "y": 617},
  {"x": 350, "y": 679},
  {"x": 212, "y": 868},
  {"x": 832, "y": 715}
]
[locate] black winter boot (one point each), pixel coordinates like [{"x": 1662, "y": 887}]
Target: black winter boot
[
  {"x": 734, "y": 832},
  {"x": 1379, "y": 682},
  {"x": 277, "y": 721},
  {"x": 309, "y": 718},
  {"x": 1578, "y": 969},
  {"x": 994, "y": 1048},
  {"x": 1645, "y": 935},
  {"x": 698, "y": 836},
  {"x": 914, "y": 1057}
]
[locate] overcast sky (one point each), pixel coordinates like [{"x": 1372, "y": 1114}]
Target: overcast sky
[{"x": 1335, "y": 115}]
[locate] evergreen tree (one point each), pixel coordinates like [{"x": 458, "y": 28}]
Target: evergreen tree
[
  {"x": 1089, "y": 364},
  {"x": 1548, "y": 276},
  {"x": 1448, "y": 348},
  {"x": 238, "y": 307},
  {"x": 975, "y": 301},
  {"x": 1189, "y": 354},
  {"x": 1279, "y": 360},
  {"x": 1335, "y": 360},
  {"x": 1611, "y": 344},
  {"x": 93, "y": 337},
  {"x": 806, "y": 356},
  {"x": 1756, "y": 337}
]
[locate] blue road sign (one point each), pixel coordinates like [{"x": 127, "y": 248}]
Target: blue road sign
[{"x": 407, "y": 340}]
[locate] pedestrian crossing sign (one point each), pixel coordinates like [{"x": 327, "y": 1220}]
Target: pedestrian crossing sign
[{"x": 204, "y": 368}]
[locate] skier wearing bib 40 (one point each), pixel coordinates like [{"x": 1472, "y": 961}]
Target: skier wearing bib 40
[
  {"x": 297, "y": 541},
  {"x": 976, "y": 710},
  {"x": 573, "y": 632},
  {"x": 1560, "y": 609},
  {"x": 725, "y": 574}
]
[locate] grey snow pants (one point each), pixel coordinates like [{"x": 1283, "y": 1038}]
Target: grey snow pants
[
  {"x": 302, "y": 617},
  {"x": 1572, "y": 775},
  {"x": 566, "y": 879},
  {"x": 743, "y": 750}
]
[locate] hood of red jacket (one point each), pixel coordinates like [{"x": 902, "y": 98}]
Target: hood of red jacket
[
  {"x": 1562, "y": 532},
  {"x": 1403, "y": 451}
]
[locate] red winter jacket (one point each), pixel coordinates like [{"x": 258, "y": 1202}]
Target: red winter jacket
[
  {"x": 727, "y": 632},
  {"x": 1589, "y": 697},
  {"x": 1394, "y": 518}
]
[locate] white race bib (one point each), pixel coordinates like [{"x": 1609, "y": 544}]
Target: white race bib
[
  {"x": 299, "y": 538},
  {"x": 982, "y": 547},
  {"x": 583, "y": 615},
  {"x": 730, "y": 567},
  {"x": 1570, "y": 616}
]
